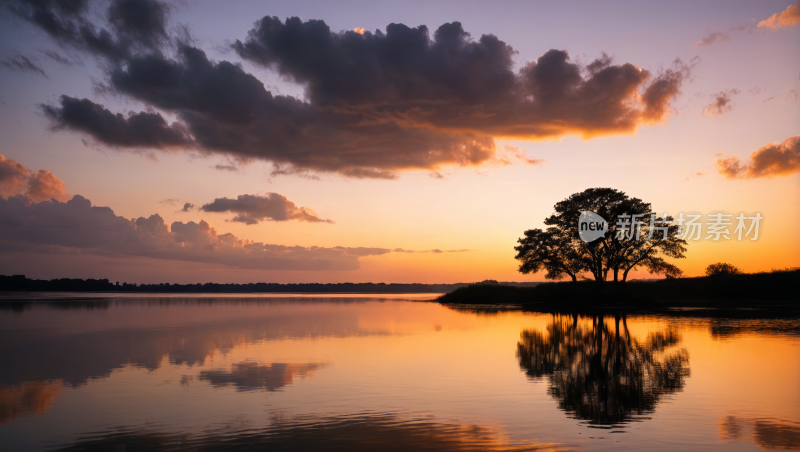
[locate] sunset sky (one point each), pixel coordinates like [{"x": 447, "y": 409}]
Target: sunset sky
[{"x": 244, "y": 141}]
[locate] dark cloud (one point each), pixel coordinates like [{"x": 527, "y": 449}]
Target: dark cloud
[
  {"x": 252, "y": 209},
  {"x": 376, "y": 102},
  {"x": 57, "y": 57},
  {"x": 251, "y": 376},
  {"x": 768, "y": 161},
  {"x": 136, "y": 130},
  {"x": 721, "y": 103},
  {"x": 134, "y": 25},
  {"x": 22, "y": 63},
  {"x": 17, "y": 179},
  {"x": 187, "y": 207},
  {"x": 790, "y": 17},
  {"x": 76, "y": 226},
  {"x": 140, "y": 21},
  {"x": 713, "y": 38}
]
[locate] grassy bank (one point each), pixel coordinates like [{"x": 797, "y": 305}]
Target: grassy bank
[{"x": 778, "y": 290}]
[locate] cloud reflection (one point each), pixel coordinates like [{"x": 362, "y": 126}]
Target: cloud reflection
[
  {"x": 29, "y": 398},
  {"x": 251, "y": 376},
  {"x": 768, "y": 434}
]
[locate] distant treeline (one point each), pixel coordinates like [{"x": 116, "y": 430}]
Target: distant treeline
[{"x": 21, "y": 283}]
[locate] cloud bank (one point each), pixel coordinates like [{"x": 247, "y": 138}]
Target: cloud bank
[
  {"x": 17, "y": 179},
  {"x": 76, "y": 226},
  {"x": 772, "y": 160},
  {"x": 376, "y": 102},
  {"x": 252, "y": 209}
]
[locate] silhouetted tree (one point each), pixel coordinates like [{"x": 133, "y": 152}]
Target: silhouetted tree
[
  {"x": 603, "y": 375},
  {"x": 560, "y": 252},
  {"x": 722, "y": 268}
]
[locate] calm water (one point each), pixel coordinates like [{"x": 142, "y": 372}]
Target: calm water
[{"x": 352, "y": 374}]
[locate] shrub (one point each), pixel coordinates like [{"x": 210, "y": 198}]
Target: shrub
[{"x": 722, "y": 268}]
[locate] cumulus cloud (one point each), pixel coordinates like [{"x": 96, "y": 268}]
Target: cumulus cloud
[
  {"x": 790, "y": 17},
  {"x": 376, "y": 103},
  {"x": 17, "y": 179},
  {"x": 76, "y": 226},
  {"x": 721, "y": 103},
  {"x": 252, "y": 209},
  {"x": 713, "y": 38},
  {"x": 187, "y": 207},
  {"x": 44, "y": 185},
  {"x": 774, "y": 159},
  {"x": 22, "y": 63}
]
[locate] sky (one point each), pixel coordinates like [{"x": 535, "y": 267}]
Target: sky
[{"x": 188, "y": 142}]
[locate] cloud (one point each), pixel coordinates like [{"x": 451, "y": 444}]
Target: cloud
[
  {"x": 17, "y": 179},
  {"x": 76, "y": 226},
  {"x": 252, "y": 209},
  {"x": 359, "y": 30},
  {"x": 44, "y": 185},
  {"x": 137, "y": 130},
  {"x": 713, "y": 38},
  {"x": 792, "y": 96},
  {"x": 57, "y": 57},
  {"x": 376, "y": 103},
  {"x": 135, "y": 25},
  {"x": 512, "y": 154},
  {"x": 229, "y": 167},
  {"x": 187, "y": 207},
  {"x": 722, "y": 103},
  {"x": 22, "y": 63},
  {"x": 790, "y": 17},
  {"x": 768, "y": 161}
]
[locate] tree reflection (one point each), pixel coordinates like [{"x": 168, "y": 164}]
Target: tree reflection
[{"x": 599, "y": 372}]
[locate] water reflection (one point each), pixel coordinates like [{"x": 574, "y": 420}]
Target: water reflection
[
  {"x": 368, "y": 432},
  {"x": 601, "y": 373},
  {"x": 80, "y": 356},
  {"x": 33, "y": 397},
  {"x": 768, "y": 434},
  {"x": 250, "y": 375}
]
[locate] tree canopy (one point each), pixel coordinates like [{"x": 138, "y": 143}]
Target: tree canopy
[{"x": 635, "y": 237}]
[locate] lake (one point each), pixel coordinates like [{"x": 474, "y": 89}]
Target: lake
[{"x": 360, "y": 372}]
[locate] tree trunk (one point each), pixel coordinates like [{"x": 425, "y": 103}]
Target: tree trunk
[{"x": 625, "y": 275}]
